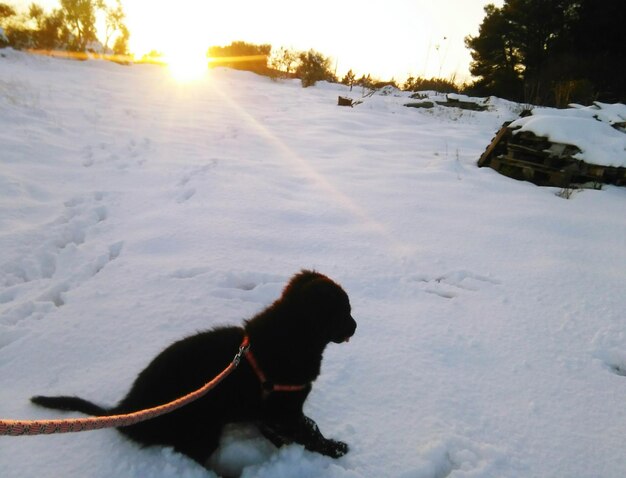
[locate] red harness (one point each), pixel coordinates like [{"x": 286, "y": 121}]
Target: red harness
[{"x": 266, "y": 385}]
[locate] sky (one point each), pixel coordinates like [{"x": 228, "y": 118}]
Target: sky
[{"x": 394, "y": 40}]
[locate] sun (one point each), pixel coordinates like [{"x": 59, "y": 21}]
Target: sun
[{"x": 187, "y": 63}]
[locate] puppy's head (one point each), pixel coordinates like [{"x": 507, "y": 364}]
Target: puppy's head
[{"x": 322, "y": 304}]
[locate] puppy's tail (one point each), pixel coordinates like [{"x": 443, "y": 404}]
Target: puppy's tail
[{"x": 70, "y": 404}]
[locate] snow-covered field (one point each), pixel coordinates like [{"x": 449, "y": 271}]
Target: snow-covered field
[{"x": 135, "y": 211}]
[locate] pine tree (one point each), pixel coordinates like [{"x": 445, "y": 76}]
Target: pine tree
[{"x": 551, "y": 51}]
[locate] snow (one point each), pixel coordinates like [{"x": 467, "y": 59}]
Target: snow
[
  {"x": 465, "y": 98},
  {"x": 135, "y": 211},
  {"x": 609, "y": 113},
  {"x": 589, "y": 128}
]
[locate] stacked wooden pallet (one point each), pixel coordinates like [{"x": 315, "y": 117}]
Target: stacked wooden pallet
[{"x": 526, "y": 156}]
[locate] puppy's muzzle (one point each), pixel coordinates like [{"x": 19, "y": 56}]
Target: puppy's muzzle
[{"x": 347, "y": 331}]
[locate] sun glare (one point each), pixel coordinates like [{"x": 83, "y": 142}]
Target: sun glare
[{"x": 187, "y": 64}]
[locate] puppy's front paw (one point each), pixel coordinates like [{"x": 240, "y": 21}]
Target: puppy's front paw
[
  {"x": 304, "y": 431},
  {"x": 334, "y": 448}
]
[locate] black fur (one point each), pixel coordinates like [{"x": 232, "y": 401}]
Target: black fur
[{"x": 287, "y": 339}]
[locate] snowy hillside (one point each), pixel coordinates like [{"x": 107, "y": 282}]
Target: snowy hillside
[{"x": 135, "y": 211}]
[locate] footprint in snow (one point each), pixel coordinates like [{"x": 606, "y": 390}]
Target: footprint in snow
[
  {"x": 186, "y": 195},
  {"x": 133, "y": 152},
  {"x": 609, "y": 348},
  {"x": 189, "y": 273},
  {"x": 36, "y": 298},
  {"x": 444, "y": 457},
  {"x": 79, "y": 216},
  {"x": 56, "y": 261},
  {"x": 247, "y": 286},
  {"x": 246, "y": 281},
  {"x": 186, "y": 192},
  {"x": 452, "y": 284}
]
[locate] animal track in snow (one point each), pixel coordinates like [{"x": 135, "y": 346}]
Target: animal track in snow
[
  {"x": 619, "y": 368},
  {"x": 130, "y": 153},
  {"x": 69, "y": 229},
  {"x": 197, "y": 171},
  {"x": 246, "y": 281},
  {"x": 248, "y": 286},
  {"x": 609, "y": 347},
  {"x": 189, "y": 273},
  {"x": 186, "y": 195},
  {"x": 57, "y": 258},
  {"x": 185, "y": 191},
  {"x": 452, "y": 284},
  {"x": 55, "y": 294},
  {"x": 94, "y": 267},
  {"x": 442, "y": 458}
]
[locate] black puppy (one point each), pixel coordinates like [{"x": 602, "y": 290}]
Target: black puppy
[{"x": 269, "y": 388}]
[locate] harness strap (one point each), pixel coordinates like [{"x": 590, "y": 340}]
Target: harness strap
[{"x": 267, "y": 385}]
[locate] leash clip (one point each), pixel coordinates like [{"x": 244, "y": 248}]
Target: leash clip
[{"x": 243, "y": 349}]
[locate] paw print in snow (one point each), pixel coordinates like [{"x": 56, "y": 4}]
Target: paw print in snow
[
  {"x": 133, "y": 152},
  {"x": 609, "y": 348},
  {"x": 185, "y": 191},
  {"x": 452, "y": 284}
]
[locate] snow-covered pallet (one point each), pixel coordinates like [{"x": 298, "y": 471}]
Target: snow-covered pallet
[{"x": 527, "y": 156}]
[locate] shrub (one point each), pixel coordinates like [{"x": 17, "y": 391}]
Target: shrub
[{"x": 314, "y": 67}]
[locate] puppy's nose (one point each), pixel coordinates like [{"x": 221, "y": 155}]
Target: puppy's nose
[{"x": 353, "y": 325}]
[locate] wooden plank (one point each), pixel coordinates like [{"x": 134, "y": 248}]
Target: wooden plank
[
  {"x": 484, "y": 159},
  {"x": 508, "y": 160}
]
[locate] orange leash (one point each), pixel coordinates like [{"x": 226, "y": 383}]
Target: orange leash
[{"x": 47, "y": 427}]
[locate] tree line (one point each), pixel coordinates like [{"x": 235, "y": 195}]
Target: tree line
[
  {"x": 551, "y": 52},
  {"x": 310, "y": 67},
  {"x": 70, "y": 27},
  {"x": 544, "y": 52}
]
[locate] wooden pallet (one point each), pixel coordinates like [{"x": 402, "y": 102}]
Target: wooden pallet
[{"x": 528, "y": 157}]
